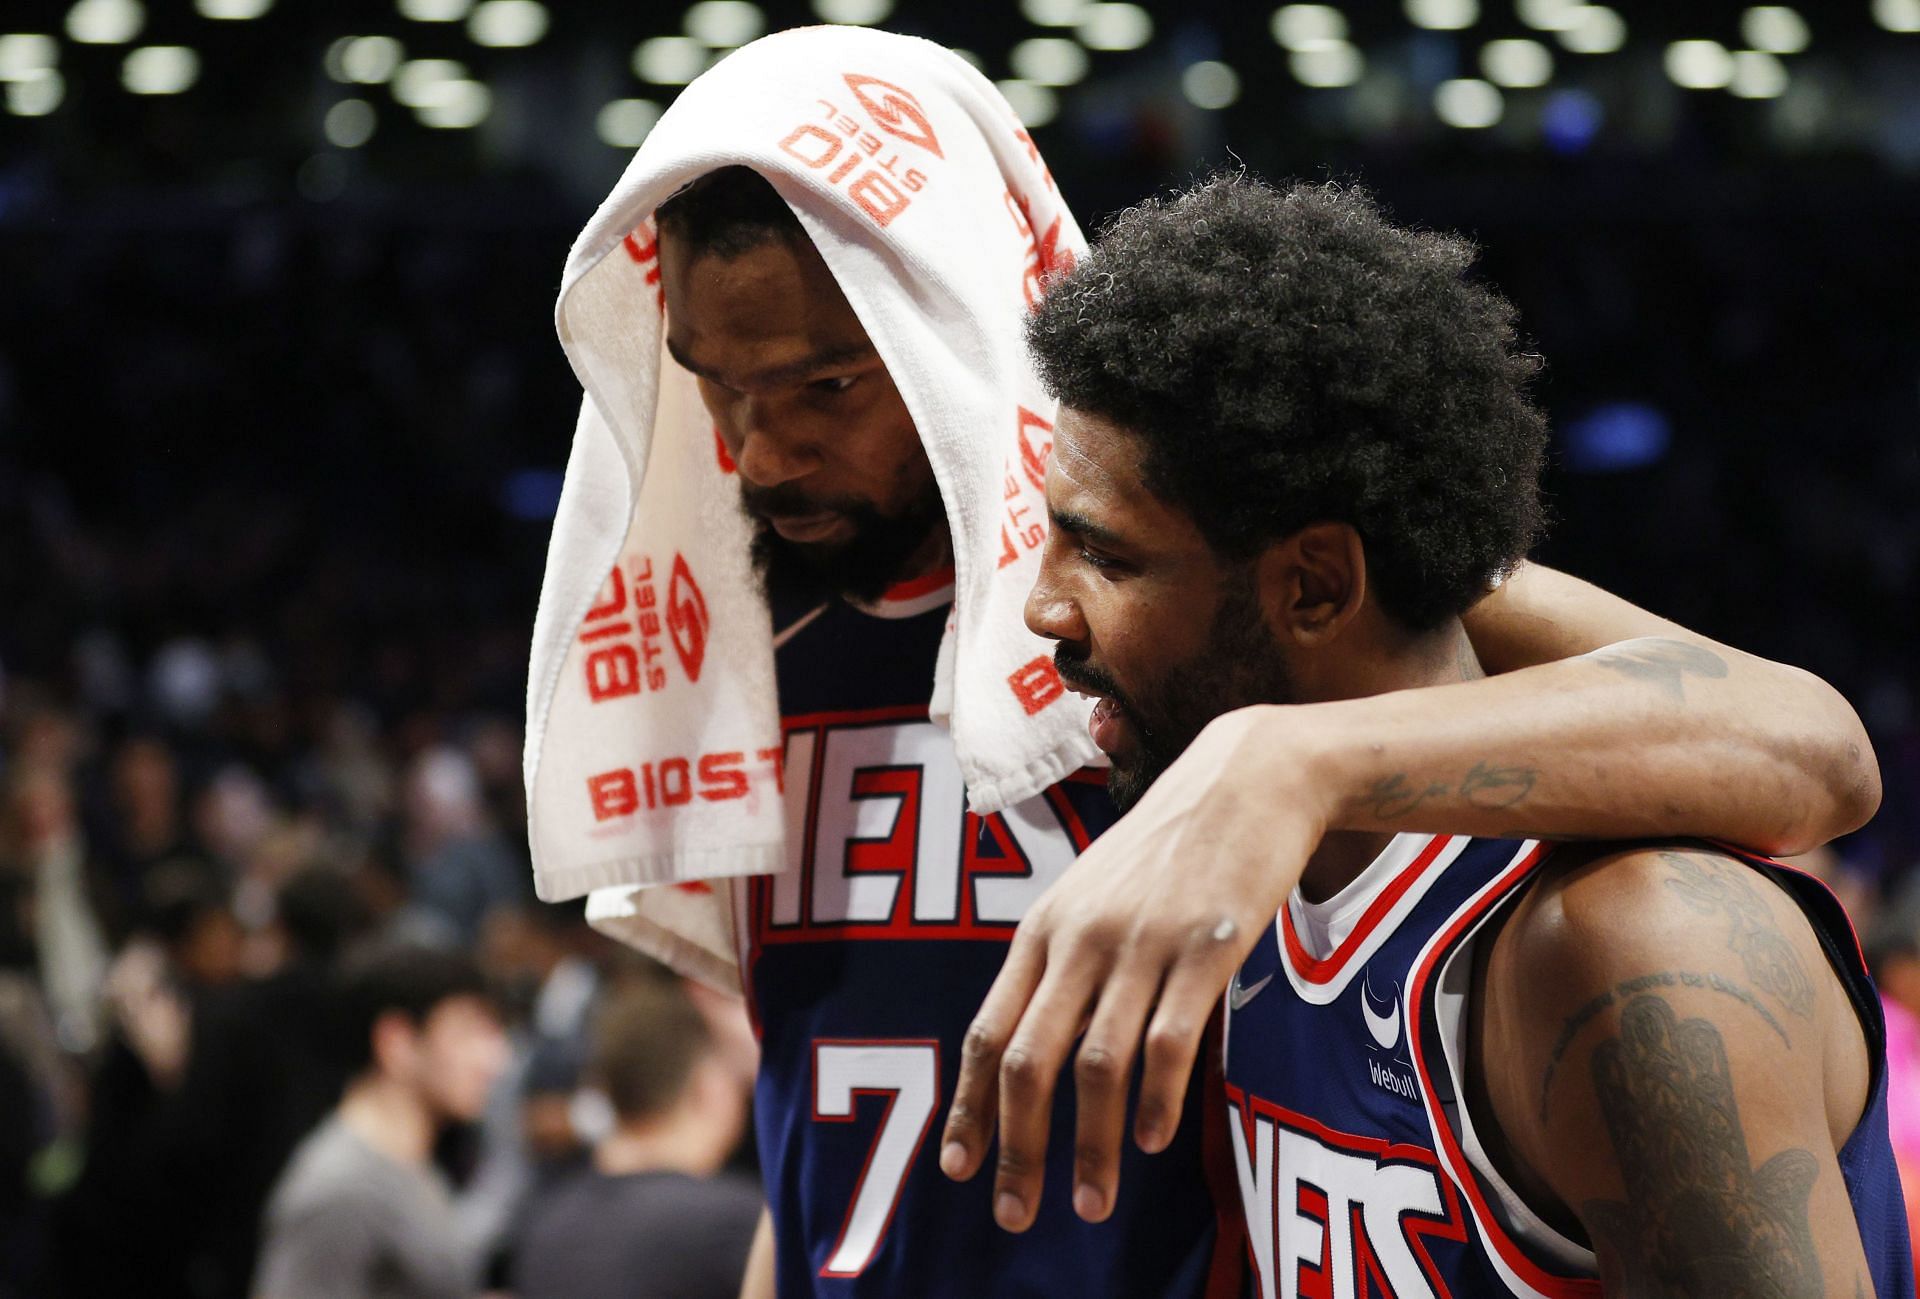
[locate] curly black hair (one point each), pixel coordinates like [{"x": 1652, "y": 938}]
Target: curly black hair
[{"x": 1288, "y": 356}]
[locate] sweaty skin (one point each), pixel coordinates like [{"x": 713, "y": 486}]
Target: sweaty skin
[{"x": 1650, "y": 731}]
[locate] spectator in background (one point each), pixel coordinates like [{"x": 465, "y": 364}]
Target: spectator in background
[
  {"x": 458, "y": 866},
  {"x": 361, "y": 1211},
  {"x": 650, "y": 1220}
]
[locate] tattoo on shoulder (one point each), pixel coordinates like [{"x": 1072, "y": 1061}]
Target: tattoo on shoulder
[
  {"x": 1699, "y": 1218},
  {"x": 1713, "y": 885},
  {"x": 1664, "y": 662},
  {"x": 1579, "y": 1019},
  {"x": 1486, "y": 785}
]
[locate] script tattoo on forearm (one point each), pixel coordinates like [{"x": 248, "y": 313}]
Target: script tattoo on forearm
[
  {"x": 1579, "y": 1019},
  {"x": 1699, "y": 1218},
  {"x": 1664, "y": 662},
  {"x": 1711, "y": 885},
  {"x": 1486, "y": 786}
]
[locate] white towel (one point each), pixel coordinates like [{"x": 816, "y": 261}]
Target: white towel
[{"x": 653, "y": 735}]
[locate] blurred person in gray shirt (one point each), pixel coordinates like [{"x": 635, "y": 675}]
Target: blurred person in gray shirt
[
  {"x": 653, "y": 1218},
  {"x": 361, "y": 1211}
]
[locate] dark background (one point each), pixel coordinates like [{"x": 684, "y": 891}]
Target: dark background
[{"x": 282, "y": 418}]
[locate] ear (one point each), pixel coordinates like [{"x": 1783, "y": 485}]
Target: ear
[
  {"x": 1312, "y": 583},
  {"x": 395, "y": 1039}
]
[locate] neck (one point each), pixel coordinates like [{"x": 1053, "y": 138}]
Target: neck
[
  {"x": 1435, "y": 658},
  {"x": 663, "y": 1145},
  {"x": 391, "y": 1118}
]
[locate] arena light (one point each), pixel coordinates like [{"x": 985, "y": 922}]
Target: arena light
[
  {"x": 36, "y": 94},
  {"x": 25, "y": 55},
  {"x": 508, "y": 24},
  {"x": 1115, "y": 27},
  {"x": 1595, "y": 29},
  {"x": 1758, "y": 74},
  {"x": 160, "y": 70},
  {"x": 853, "y": 13},
  {"x": 1210, "y": 84},
  {"x": 1468, "y": 103},
  {"x": 414, "y": 84},
  {"x": 371, "y": 60},
  {"x": 1297, "y": 25},
  {"x": 1516, "y": 64},
  {"x": 232, "y": 11},
  {"x": 105, "y": 22},
  {"x": 1775, "y": 29},
  {"x": 349, "y": 123},
  {"x": 1048, "y": 61},
  {"x": 1033, "y": 105},
  {"x": 1326, "y": 65},
  {"x": 1054, "y": 13},
  {"x": 1443, "y": 15},
  {"x": 455, "y": 105},
  {"x": 435, "y": 11},
  {"x": 979, "y": 64},
  {"x": 1548, "y": 15},
  {"x": 724, "y": 24},
  {"x": 624, "y": 123},
  {"x": 1699, "y": 65},
  {"x": 670, "y": 60},
  {"x": 1897, "y": 15}
]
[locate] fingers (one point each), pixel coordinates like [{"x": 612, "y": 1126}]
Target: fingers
[
  {"x": 976, "y": 1096},
  {"x": 1028, "y": 1072},
  {"x": 1187, "y": 1003},
  {"x": 1101, "y": 1071}
]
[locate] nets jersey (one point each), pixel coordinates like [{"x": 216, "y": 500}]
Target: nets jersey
[
  {"x": 1352, "y": 1173},
  {"x": 865, "y": 963}
]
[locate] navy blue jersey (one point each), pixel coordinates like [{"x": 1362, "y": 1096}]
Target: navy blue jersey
[
  {"x": 866, "y": 962},
  {"x": 1353, "y": 1177}
]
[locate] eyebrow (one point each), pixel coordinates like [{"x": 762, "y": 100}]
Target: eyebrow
[
  {"x": 774, "y": 376},
  {"x": 1086, "y": 529}
]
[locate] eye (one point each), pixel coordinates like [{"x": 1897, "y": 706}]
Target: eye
[
  {"x": 1094, "y": 559},
  {"x": 838, "y": 383}
]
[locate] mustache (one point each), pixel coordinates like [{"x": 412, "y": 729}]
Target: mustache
[
  {"x": 1079, "y": 672},
  {"x": 787, "y": 501}
]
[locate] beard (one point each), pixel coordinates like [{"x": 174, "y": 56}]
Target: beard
[
  {"x": 860, "y": 568},
  {"x": 1238, "y": 666}
]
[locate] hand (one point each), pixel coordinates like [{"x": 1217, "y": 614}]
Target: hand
[{"x": 1151, "y": 921}]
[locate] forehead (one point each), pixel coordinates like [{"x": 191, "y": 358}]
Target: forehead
[
  {"x": 1098, "y": 473},
  {"x": 775, "y": 294}
]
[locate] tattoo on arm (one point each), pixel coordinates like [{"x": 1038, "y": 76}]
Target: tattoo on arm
[
  {"x": 1579, "y": 1019},
  {"x": 1664, "y": 662},
  {"x": 1485, "y": 786},
  {"x": 1699, "y": 1218},
  {"x": 1709, "y": 886}
]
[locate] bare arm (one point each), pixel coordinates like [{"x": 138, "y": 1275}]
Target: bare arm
[
  {"x": 1745, "y": 749},
  {"x": 1671, "y": 1084},
  {"x": 758, "y": 1282}
]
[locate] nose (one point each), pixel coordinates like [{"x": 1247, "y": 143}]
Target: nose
[
  {"x": 766, "y": 457},
  {"x": 1050, "y": 611}
]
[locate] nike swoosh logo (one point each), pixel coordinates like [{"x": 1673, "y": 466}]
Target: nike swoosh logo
[
  {"x": 1385, "y": 1028},
  {"x": 797, "y": 626},
  {"x": 1238, "y": 997}
]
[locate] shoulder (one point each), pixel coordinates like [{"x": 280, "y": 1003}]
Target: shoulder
[{"x": 1614, "y": 911}]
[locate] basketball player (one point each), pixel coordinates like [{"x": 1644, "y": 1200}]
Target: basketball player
[
  {"x": 1294, "y": 448},
  {"x": 853, "y": 542}
]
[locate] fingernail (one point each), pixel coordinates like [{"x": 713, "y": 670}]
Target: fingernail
[
  {"x": 953, "y": 1158},
  {"x": 1008, "y": 1211},
  {"x": 1088, "y": 1202}
]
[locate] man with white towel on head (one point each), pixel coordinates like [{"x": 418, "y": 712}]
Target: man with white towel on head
[{"x": 787, "y": 730}]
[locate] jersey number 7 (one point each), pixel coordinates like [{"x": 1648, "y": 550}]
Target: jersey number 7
[{"x": 907, "y": 1075}]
